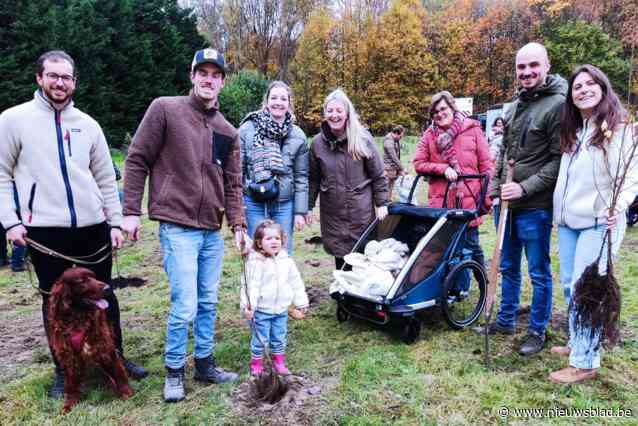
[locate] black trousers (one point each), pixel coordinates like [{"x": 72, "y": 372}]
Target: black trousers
[
  {"x": 74, "y": 242},
  {"x": 3, "y": 244}
]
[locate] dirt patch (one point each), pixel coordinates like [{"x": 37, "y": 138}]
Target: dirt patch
[
  {"x": 299, "y": 406},
  {"x": 316, "y": 296},
  {"x": 20, "y": 341}
]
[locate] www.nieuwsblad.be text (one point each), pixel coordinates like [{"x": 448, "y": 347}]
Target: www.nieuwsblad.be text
[{"x": 558, "y": 412}]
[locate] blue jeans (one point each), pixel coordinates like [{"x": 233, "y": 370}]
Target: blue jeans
[
  {"x": 193, "y": 262},
  {"x": 470, "y": 243},
  {"x": 272, "y": 329},
  {"x": 529, "y": 230},
  {"x": 578, "y": 248},
  {"x": 17, "y": 256},
  {"x": 281, "y": 212}
]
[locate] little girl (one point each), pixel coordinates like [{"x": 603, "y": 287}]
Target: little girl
[{"x": 273, "y": 285}]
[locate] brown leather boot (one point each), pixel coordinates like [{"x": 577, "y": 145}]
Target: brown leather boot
[{"x": 571, "y": 375}]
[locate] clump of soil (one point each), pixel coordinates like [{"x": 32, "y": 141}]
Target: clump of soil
[
  {"x": 296, "y": 407},
  {"x": 315, "y": 263},
  {"x": 123, "y": 282},
  {"x": 315, "y": 239}
]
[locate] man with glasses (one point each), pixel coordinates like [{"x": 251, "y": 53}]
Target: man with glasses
[
  {"x": 192, "y": 156},
  {"x": 66, "y": 191}
]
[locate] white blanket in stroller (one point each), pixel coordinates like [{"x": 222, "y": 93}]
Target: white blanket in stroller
[{"x": 372, "y": 271}]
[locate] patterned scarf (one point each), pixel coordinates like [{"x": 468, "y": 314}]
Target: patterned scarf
[
  {"x": 266, "y": 148},
  {"x": 445, "y": 140}
]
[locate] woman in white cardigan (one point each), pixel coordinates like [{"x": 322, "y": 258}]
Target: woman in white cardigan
[{"x": 597, "y": 145}]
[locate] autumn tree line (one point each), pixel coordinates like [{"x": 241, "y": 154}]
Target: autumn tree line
[{"x": 389, "y": 56}]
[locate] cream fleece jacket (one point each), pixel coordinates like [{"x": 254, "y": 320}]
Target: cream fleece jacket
[
  {"x": 61, "y": 165},
  {"x": 584, "y": 187},
  {"x": 273, "y": 284}
]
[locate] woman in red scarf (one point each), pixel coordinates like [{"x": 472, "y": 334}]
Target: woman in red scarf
[{"x": 454, "y": 144}]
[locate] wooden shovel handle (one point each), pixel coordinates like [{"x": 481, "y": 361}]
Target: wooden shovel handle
[{"x": 492, "y": 278}]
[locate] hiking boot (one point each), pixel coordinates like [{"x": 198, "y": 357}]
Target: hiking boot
[
  {"x": 494, "y": 328},
  {"x": 561, "y": 350},
  {"x": 571, "y": 375},
  {"x": 279, "y": 364},
  {"x": 532, "y": 344},
  {"x": 207, "y": 371},
  {"x": 134, "y": 371},
  {"x": 57, "y": 388},
  {"x": 174, "y": 385},
  {"x": 256, "y": 367}
]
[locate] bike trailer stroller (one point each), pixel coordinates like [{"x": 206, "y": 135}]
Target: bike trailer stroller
[{"x": 437, "y": 272}]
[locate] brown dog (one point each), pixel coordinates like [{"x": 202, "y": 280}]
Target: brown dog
[{"x": 81, "y": 335}]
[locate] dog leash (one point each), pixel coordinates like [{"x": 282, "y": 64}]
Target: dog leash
[
  {"x": 74, "y": 260},
  {"x": 77, "y": 260}
]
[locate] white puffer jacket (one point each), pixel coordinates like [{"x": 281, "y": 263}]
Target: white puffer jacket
[
  {"x": 274, "y": 284},
  {"x": 585, "y": 181}
]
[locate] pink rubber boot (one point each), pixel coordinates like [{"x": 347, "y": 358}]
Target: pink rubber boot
[
  {"x": 279, "y": 364},
  {"x": 256, "y": 367}
]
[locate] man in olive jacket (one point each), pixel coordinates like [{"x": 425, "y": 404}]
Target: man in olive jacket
[
  {"x": 531, "y": 138},
  {"x": 192, "y": 156}
]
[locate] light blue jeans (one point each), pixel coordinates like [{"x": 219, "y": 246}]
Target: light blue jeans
[
  {"x": 272, "y": 329},
  {"x": 577, "y": 249},
  {"x": 281, "y": 212},
  {"x": 193, "y": 262}
]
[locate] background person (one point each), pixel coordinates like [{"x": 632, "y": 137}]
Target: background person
[
  {"x": 18, "y": 252},
  {"x": 589, "y": 170},
  {"x": 192, "y": 156},
  {"x": 273, "y": 146},
  {"x": 495, "y": 139},
  {"x": 346, "y": 172},
  {"x": 392, "y": 157},
  {"x": 67, "y": 195}
]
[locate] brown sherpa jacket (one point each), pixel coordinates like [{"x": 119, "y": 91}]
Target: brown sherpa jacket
[{"x": 192, "y": 157}]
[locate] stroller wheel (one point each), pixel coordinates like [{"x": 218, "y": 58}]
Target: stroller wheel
[
  {"x": 411, "y": 331},
  {"x": 342, "y": 315},
  {"x": 463, "y": 295}
]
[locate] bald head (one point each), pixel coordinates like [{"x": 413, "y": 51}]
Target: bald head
[{"x": 532, "y": 65}]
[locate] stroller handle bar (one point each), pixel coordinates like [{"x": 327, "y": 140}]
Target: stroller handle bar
[{"x": 480, "y": 203}]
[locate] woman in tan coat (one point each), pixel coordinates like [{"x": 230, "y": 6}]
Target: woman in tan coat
[{"x": 346, "y": 171}]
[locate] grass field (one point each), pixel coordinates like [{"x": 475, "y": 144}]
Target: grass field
[{"x": 365, "y": 374}]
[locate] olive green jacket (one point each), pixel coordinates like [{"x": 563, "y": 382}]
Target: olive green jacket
[{"x": 532, "y": 139}]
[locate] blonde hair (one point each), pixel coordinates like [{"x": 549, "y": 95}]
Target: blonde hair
[
  {"x": 357, "y": 143},
  {"x": 273, "y": 85}
]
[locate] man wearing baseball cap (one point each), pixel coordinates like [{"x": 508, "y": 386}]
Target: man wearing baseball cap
[{"x": 191, "y": 154}]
